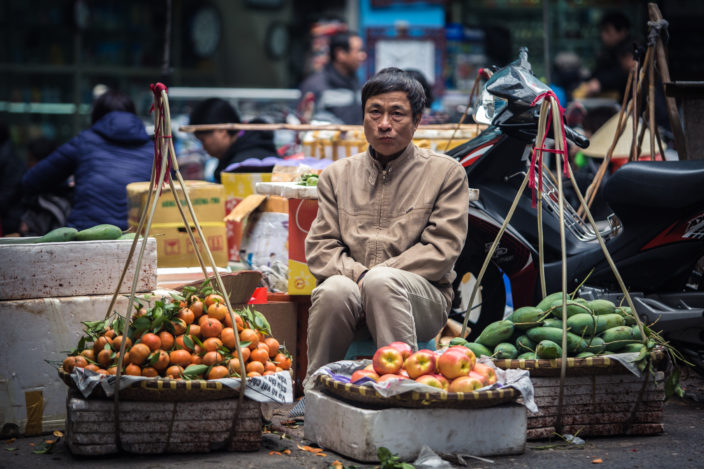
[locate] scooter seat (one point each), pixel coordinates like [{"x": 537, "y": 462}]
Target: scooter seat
[{"x": 657, "y": 184}]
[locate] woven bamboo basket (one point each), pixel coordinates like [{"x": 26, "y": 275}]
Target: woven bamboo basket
[{"x": 370, "y": 397}]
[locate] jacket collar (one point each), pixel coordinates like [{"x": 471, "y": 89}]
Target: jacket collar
[{"x": 375, "y": 167}]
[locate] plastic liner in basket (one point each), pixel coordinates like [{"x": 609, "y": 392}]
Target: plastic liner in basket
[
  {"x": 408, "y": 393},
  {"x": 276, "y": 388}
]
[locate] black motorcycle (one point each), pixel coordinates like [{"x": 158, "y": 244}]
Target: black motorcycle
[{"x": 655, "y": 234}]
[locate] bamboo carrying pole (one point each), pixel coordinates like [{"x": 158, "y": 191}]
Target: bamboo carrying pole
[{"x": 164, "y": 147}]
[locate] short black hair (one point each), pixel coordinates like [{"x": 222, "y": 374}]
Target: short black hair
[
  {"x": 418, "y": 75},
  {"x": 616, "y": 19},
  {"x": 340, "y": 40},
  {"x": 214, "y": 111},
  {"x": 392, "y": 79},
  {"x": 111, "y": 100}
]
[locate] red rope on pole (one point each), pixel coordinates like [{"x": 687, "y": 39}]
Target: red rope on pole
[
  {"x": 537, "y": 155},
  {"x": 158, "y": 129}
]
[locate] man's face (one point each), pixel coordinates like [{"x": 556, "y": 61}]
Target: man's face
[
  {"x": 353, "y": 59},
  {"x": 388, "y": 122},
  {"x": 215, "y": 142},
  {"x": 610, "y": 36}
]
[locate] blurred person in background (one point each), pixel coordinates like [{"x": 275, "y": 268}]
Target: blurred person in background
[
  {"x": 47, "y": 210},
  {"x": 335, "y": 88},
  {"x": 115, "y": 151},
  {"x": 430, "y": 116},
  {"x": 229, "y": 146},
  {"x": 11, "y": 170},
  {"x": 609, "y": 77}
]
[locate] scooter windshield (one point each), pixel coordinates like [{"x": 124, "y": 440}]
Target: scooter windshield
[{"x": 516, "y": 84}]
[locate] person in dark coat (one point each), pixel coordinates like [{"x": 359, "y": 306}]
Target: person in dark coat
[
  {"x": 335, "y": 87},
  {"x": 229, "y": 146},
  {"x": 11, "y": 170},
  {"x": 115, "y": 151}
]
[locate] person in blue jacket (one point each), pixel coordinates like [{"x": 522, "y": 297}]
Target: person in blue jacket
[{"x": 115, "y": 151}]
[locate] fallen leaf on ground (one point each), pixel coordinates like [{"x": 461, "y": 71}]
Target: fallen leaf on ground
[
  {"x": 287, "y": 451},
  {"x": 271, "y": 453},
  {"x": 597, "y": 461},
  {"x": 58, "y": 434},
  {"x": 310, "y": 449},
  {"x": 11, "y": 440},
  {"x": 321, "y": 454},
  {"x": 336, "y": 464},
  {"x": 10, "y": 449}
]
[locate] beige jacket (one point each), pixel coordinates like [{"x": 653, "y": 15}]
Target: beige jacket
[{"x": 410, "y": 216}]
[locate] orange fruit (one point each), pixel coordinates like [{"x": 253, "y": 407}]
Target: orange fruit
[
  {"x": 162, "y": 362},
  {"x": 89, "y": 354},
  {"x": 282, "y": 361},
  {"x": 151, "y": 340},
  {"x": 179, "y": 326},
  {"x": 273, "y": 345},
  {"x": 101, "y": 371},
  {"x": 100, "y": 344},
  {"x": 196, "y": 359},
  {"x": 112, "y": 370},
  {"x": 109, "y": 333},
  {"x": 150, "y": 372},
  {"x": 228, "y": 338},
  {"x": 196, "y": 306},
  {"x": 234, "y": 365},
  {"x": 261, "y": 336},
  {"x": 92, "y": 367},
  {"x": 259, "y": 355},
  {"x": 202, "y": 319},
  {"x": 218, "y": 311},
  {"x": 267, "y": 373},
  {"x": 139, "y": 353},
  {"x": 69, "y": 364},
  {"x": 180, "y": 357},
  {"x": 186, "y": 315},
  {"x": 246, "y": 352},
  {"x": 126, "y": 359},
  {"x": 256, "y": 366},
  {"x": 117, "y": 343},
  {"x": 269, "y": 366},
  {"x": 133, "y": 370},
  {"x": 211, "y": 358},
  {"x": 167, "y": 340},
  {"x": 81, "y": 361},
  {"x": 194, "y": 330},
  {"x": 213, "y": 298},
  {"x": 180, "y": 343},
  {"x": 251, "y": 336},
  {"x": 252, "y": 374},
  {"x": 263, "y": 346},
  {"x": 217, "y": 372},
  {"x": 174, "y": 372},
  {"x": 210, "y": 328},
  {"x": 212, "y": 344},
  {"x": 139, "y": 313},
  {"x": 105, "y": 358},
  {"x": 278, "y": 368}
]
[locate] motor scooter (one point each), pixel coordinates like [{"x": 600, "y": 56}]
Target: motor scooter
[{"x": 655, "y": 234}]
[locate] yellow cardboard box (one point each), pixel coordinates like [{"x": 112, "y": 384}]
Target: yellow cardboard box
[
  {"x": 207, "y": 198},
  {"x": 175, "y": 249}
]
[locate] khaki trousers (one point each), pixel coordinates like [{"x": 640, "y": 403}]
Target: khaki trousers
[{"x": 393, "y": 304}]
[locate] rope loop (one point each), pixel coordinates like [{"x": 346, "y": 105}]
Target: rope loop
[{"x": 655, "y": 29}]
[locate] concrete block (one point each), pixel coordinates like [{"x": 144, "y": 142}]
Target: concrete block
[{"x": 358, "y": 433}]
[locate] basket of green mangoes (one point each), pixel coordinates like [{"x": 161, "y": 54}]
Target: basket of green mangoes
[{"x": 532, "y": 337}]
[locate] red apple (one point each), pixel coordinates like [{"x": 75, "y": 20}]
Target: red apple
[
  {"x": 420, "y": 363},
  {"x": 387, "y": 360},
  {"x": 402, "y": 347},
  {"x": 466, "y": 351},
  {"x": 465, "y": 384},
  {"x": 479, "y": 376},
  {"x": 487, "y": 371},
  {"x": 445, "y": 383},
  {"x": 430, "y": 380},
  {"x": 453, "y": 364},
  {"x": 389, "y": 376},
  {"x": 363, "y": 373}
]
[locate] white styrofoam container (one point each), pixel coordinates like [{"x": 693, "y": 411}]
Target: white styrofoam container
[
  {"x": 33, "y": 332},
  {"x": 72, "y": 268},
  {"x": 358, "y": 433}
]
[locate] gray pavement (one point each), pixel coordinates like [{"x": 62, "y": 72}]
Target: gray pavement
[{"x": 681, "y": 446}]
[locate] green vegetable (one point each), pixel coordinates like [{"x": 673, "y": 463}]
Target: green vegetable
[
  {"x": 99, "y": 232},
  {"x": 59, "y": 235}
]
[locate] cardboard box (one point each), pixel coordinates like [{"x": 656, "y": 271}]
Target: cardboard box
[
  {"x": 73, "y": 268},
  {"x": 301, "y": 213},
  {"x": 208, "y": 201},
  {"x": 175, "y": 249},
  {"x": 237, "y": 187}
]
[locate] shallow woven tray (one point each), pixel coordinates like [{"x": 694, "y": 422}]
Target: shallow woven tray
[
  {"x": 163, "y": 389},
  {"x": 575, "y": 366},
  {"x": 417, "y": 400}
]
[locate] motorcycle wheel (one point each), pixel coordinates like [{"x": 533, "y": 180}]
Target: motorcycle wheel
[{"x": 490, "y": 300}]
